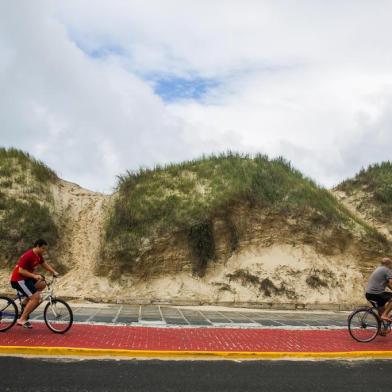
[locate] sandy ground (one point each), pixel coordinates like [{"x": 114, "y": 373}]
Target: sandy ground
[
  {"x": 82, "y": 227},
  {"x": 287, "y": 268}
]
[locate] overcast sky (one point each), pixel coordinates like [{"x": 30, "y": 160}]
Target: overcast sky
[{"x": 94, "y": 88}]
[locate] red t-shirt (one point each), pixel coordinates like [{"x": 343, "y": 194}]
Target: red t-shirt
[{"x": 28, "y": 261}]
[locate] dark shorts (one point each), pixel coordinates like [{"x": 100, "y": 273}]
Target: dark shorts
[
  {"x": 381, "y": 299},
  {"x": 25, "y": 287}
]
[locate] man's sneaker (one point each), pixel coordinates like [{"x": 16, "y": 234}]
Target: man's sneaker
[
  {"x": 383, "y": 332},
  {"x": 26, "y": 324}
]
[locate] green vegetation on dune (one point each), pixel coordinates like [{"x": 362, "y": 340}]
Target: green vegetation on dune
[
  {"x": 375, "y": 183},
  {"x": 179, "y": 196},
  {"x": 15, "y": 164},
  {"x": 25, "y": 203},
  {"x": 187, "y": 197},
  {"x": 192, "y": 202}
]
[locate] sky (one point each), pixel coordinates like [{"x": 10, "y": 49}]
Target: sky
[{"x": 94, "y": 89}]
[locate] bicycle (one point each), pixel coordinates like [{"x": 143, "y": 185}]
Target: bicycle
[
  {"x": 58, "y": 314},
  {"x": 364, "y": 324}
]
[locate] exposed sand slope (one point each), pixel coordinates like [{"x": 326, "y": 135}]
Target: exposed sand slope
[
  {"x": 352, "y": 202},
  {"x": 81, "y": 219},
  {"x": 258, "y": 272},
  {"x": 80, "y": 216},
  {"x": 277, "y": 273}
]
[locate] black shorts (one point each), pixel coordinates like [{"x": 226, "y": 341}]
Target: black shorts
[
  {"x": 25, "y": 287},
  {"x": 381, "y": 298}
]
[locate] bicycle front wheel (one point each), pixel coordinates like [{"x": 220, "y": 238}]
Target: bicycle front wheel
[
  {"x": 58, "y": 316},
  {"x": 8, "y": 313},
  {"x": 363, "y": 325}
]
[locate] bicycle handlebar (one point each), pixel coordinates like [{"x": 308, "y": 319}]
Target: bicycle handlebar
[{"x": 51, "y": 281}]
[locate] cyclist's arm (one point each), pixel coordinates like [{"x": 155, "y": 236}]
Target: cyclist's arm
[
  {"x": 29, "y": 274},
  {"x": 389, "y": 284},
  {"x": 49, "y": 268}
]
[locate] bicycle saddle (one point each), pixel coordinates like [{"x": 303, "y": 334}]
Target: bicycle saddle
[{"x": 373, "y": 303}]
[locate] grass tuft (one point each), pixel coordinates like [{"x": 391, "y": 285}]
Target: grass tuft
[
  {"x": 188, "y": 196},
  {"x": 25, "y": 198},
  {"x": 376, "y": 184}
]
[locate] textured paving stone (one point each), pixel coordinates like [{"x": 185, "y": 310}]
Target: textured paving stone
[
  {"x": 128, "y": 315},
  {"x": 195, "y": 317},
  {"x": 192, "y": 339},
  {"x": 150, "y": 313},
  {"x": 165, "y": 314},
  {"x": 216, "y": 317},
  {"x": 237, "y": 317}
]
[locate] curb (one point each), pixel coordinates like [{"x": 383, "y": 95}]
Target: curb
[
  {"x": 285, "y": 306},
  {"x": 151, "y": 354}
]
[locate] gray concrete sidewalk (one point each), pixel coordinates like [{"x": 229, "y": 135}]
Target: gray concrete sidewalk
[{"x": 201, "y": 316}]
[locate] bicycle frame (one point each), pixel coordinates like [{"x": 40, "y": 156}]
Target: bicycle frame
[
  {"x": 385, "y": 325},
  {"x": 57, "y": 314},
  {"x": 370, "y": 309},
  {"x": 46, "y": 295},
  {"x": 374, "y": 309}
]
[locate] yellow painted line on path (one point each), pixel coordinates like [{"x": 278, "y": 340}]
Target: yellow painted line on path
[{"x": 90, "y": 352}]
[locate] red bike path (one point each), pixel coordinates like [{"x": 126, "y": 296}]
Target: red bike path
[{"x": 135, "y": 341}]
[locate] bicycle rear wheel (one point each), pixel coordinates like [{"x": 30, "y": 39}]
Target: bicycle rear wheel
[
  {"x": 8, "y": 313},
  {"x": 363, "y": 325},
  {"x": 58, "y": 316}
]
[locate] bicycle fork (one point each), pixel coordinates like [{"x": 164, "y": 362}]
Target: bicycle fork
[{"x": 53, "y": 308}]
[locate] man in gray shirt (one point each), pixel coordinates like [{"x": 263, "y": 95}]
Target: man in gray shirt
[{"x": 375, "y": 291}]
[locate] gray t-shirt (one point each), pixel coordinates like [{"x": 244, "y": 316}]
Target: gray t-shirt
[{"x": 378, "y": 280}]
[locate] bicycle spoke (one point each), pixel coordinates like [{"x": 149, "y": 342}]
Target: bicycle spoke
[
  {"x": 363, "y": 325},
  {"x": 58, "y": 316},
  {"x": 8, "y": 313}
]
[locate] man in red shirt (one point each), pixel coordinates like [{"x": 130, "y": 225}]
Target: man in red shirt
[{"x": 25, "y": 279}]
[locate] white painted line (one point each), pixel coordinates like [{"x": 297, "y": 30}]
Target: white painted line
[
  {"x": 231, "y": 321},
  {"x": 232, "y": 325},
  {"x": 160, "y": 324},
  {"x": 204, "y": 316},
  {"x": 118, "y": 313},
  {"x": 151, "y": 322},
  {"x": 182, "y": 314},
  {"x": 92, "y": 316},
  {"x": 160, "y": 312}
]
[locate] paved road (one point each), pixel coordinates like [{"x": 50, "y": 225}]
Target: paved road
[
  {"x": 18, "y": 374},
  {"x": 167, "y": 315}
]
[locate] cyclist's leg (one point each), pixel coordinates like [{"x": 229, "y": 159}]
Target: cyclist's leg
[
  {"x": 28, "y": 289},
  {"x": 381, "y": 310},
  {"x": 377, "y": 299},
  {"x": 387, "y": 311},
  {"x": 32, "y": 303},
  {"x": 387, "y": 307},
  {"x": 23, "y": 298},
  {"x": 40, "y": 285}
]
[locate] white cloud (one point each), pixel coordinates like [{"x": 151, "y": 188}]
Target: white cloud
[
  {"x": 309, "y": 80},
  {"x": 88, "y": 119}
]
